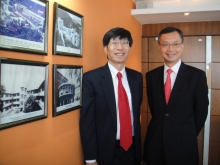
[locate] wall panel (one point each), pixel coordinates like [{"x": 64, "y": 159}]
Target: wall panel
[
  {"x": 188, "y": 28},
  {"x": 215, "y": 48}
]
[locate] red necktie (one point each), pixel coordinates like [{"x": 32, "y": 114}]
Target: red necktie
[
  {"x": 167, "y": 86},
  {"x": 124, "y": 116}
]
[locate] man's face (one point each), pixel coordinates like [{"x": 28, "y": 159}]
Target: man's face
[
  {"x": 117, "y": 51},
  {"x": 171, "y": 48}
]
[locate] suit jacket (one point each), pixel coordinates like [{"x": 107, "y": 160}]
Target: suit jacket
[
  {"x": 98, "y": 121},
  {"x": 173, "y": 128}
]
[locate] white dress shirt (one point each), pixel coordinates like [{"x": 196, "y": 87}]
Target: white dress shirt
[
  {"x": 127, "y": 89},
  {"x": 173, "y": 75}
]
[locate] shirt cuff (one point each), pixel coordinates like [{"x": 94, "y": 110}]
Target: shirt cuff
[{"x": 90, "y": 161}]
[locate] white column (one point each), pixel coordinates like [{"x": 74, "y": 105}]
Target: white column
[{"x": 207, "y": 123}]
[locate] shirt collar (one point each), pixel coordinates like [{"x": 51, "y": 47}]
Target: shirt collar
[
  {"x": 115, "y": 71},
  {"x": 175, "y": 68}
]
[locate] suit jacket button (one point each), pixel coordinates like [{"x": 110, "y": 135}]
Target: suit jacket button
[{"x": 167, "y": 115}]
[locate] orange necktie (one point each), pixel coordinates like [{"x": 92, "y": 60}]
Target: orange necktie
[
  {"x": 167, "y": 86},
  {"x": 124, "y": 116}
]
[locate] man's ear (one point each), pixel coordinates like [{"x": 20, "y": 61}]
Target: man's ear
[
  {"x": 158, "y": 46},
  {"x": 106, "y": 49}
]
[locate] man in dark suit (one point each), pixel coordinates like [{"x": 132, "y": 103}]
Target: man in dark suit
[
  {"x": 100, "y": 120},
  {"x": 178, "y": 118}
]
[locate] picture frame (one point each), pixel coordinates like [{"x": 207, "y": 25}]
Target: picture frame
[
  {"x": 67, "y": 88},
  {"x": 23, "y": 94},
  {"x": 24, "y": 26},
  {"x": 68, "y": 32}
]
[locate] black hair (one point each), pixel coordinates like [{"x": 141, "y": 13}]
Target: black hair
[
  {"x": 170, "y": 30},
  {"x": 117, "y": 32}
]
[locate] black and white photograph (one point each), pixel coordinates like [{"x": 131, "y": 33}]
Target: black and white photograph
[
  {"x": 24, "y": 86},
  {"x": 67, "y": 90},
  {"x": 23, "y": 25},
  {"x": 68, "y": 32}
]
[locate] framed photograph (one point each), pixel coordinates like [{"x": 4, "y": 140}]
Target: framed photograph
[
  {"x": 68, "y": 32},
  {"x": 24, "y": 88},
  {"x": 67, "y": 88},
  {"x": 24, "y": 25}
]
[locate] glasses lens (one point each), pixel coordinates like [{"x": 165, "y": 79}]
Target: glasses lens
[
  {"x": 175, "y": 45},
  {"x": 122, "y": 42}
]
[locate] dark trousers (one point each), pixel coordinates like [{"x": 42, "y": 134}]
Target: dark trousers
[{"x": 122, "y": 157}]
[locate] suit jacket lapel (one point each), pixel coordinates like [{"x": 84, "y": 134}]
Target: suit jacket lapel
[
  {"x": 108, "y": 88},
  {"x": 178, "y": 83},
  {"x": 134, "y": 92},
  {"x": 159, "y": 84},
  {"x": 160, "y": 81}
]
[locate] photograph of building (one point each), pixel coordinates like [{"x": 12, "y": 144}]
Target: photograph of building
[
  {"x": 68, "y": 88},
  {"x": 68, "y": 32},
  {"x": 22, "y": 92},
  {"x": 23, "y": 19}
]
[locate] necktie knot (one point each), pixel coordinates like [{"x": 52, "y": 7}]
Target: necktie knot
[
  {"x": 169, "y": 71},
  {"x": 119, "y": 75}
]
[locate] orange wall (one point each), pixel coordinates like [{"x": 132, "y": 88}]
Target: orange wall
[{"x": 56, "y": 140}]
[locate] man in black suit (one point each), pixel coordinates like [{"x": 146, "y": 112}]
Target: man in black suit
[
  {"x": 100, "y": 120},
  {"x": 172, "y": 132}
]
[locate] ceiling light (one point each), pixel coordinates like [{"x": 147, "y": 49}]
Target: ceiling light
[{"x": 186, "y": 13}]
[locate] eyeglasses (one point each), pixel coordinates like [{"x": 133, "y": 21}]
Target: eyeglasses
[
  {"x": 116, "y": 43},
  {"x": 175, "y": 45}
]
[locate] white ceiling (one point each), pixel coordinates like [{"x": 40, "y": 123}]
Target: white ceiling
[{"x": 167, "y": 11}]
